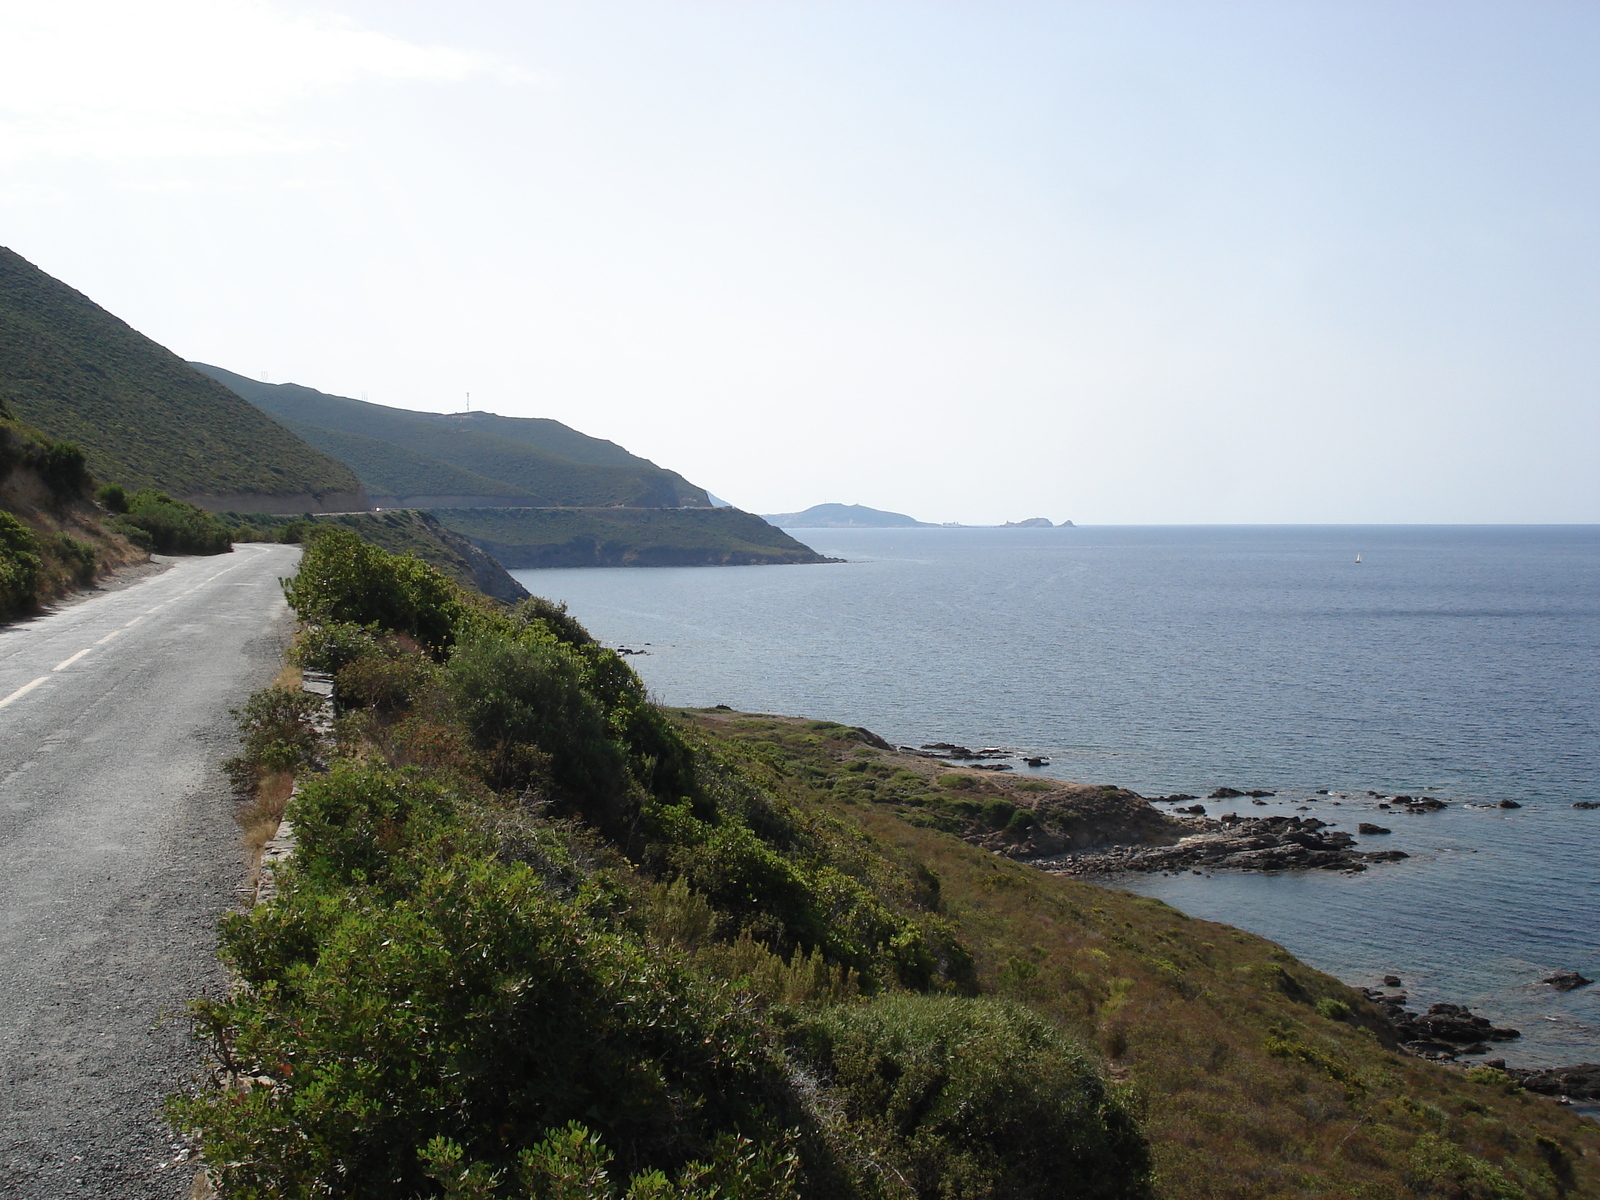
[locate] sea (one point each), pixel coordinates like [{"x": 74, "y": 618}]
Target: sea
[{"x": 1458, "y": 662}]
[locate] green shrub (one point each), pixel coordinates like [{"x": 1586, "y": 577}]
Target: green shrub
[
  {"x": 1334, "y": 1010},
  {"x": 19, "y": 566},
  {"x": 345, "y": 580},
  {"x": 1021, "y": 821},
  {"x": 478, "y": 1009},
  {"x": 555, "y": 618},
  {"x": 277, "y": 731},
  {"x": 114, "y": 497},
  {"x": 572, "y": 1164},
  {"x": 526, "y": 707},
  {"x": 172, "y": 526},
  {"x": 976, "y": 1098},
  {"x": 330, "y": 646},
  {"x": 388, "y": 684},
  {"x": 64, "y": 470},
  {"x": 1440, "y": 1167},
  {"x": 78, "y": 557}
]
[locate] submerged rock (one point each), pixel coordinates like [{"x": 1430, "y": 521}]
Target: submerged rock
[{"x": 1565, "y": 981}]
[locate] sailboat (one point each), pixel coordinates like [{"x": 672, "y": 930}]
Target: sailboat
[{"x": 1358, "y": 558}]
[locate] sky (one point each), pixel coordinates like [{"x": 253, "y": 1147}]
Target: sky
[{"x": 1115, "y": 261}]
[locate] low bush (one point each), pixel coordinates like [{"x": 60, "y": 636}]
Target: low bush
[
  {"x": 77, "y": 557},
  {"x": 19, "y": 566},
  {"x": 172, "y": 526},
  {"x": 345, "y": 580},
  {"x": 527, "y": 709},
  {"x": 64, "y": 470},
  {"x": 976, "y": 1099},
  {"x": 278, "y": 734},
  {"x": 403, "y": 990},
  {"x": 114, "y": 497}
]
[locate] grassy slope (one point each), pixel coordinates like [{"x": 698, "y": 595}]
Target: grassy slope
[
  {"x": 1250, "y": 1092},
  {"x": 536, "y": 458},
  {"x": 617, "y": 537},
  {"x": 391, "y": 470},
  {"x": 144, "y": 417}
]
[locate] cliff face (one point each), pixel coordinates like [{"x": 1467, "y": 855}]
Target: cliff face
[{"x": 144, "y": 417}]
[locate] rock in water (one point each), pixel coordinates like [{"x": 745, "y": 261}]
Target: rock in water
[
  {"x": 1509, "y": 804},
  {"x": 1565, "y": 981},
  {"x": 1581, "y": 1082},
  {"x": 1367, "y": 827},
  {"x": 1391, "y": 981}
]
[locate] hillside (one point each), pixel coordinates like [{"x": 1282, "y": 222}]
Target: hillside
[
  {"x": 434, "y": 460},
  {"x": 544, "y": 938},
  {"x": 626, "y": 537},
  {"x": 52, "y": 539},
  {"x": 844, "y": 516},
  {"x": 143, "y": 416}
]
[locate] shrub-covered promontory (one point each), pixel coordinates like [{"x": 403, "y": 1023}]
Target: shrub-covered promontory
[{"x": 540, "y": 938}]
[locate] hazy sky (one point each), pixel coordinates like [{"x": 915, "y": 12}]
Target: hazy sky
[{"x": 1113, "y": 261}]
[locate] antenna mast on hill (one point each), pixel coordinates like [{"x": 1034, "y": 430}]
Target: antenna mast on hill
[{"x": 469, "y": 401}]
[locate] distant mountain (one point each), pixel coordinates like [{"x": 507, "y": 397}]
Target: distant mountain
[
  {"x": 412, "y": 459},
  {"x": 843, "y": 516},
  {"x": 143, "y": 416}
]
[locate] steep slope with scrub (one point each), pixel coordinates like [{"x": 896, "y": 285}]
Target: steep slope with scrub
[
  {"x": 430, "y": 460},
  {"x": 543, "y": 938},
  {"x": 52, "y": 538},
  {"x": 143, "y": 417}
]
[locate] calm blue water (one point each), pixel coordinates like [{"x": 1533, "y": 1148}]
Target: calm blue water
[{"x": 1461, "y": 662}]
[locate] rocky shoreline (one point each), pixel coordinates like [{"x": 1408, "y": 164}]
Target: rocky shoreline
[
  {"x": 1451, "y": 1032},
  {"x": 1236, "y": 843}
]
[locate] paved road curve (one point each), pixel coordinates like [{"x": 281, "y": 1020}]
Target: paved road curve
[{"x": 117, "y": 854}]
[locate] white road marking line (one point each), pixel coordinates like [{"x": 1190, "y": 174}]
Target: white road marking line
[
  {"x": 108, "y": 637},
  {"x": 133, "y": 622},
  {"x": 23, "y": 691},
  {"x": 67, "y": 662}
]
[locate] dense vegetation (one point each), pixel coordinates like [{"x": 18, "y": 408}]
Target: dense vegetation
[
  {"x": 403, "y": 531},
  {"x": 404, "y": 456},
  {"x": 541, "y": 939},
  {"x": 51, "y": 540},
  {"x": 155, "y": 521},
  {"x": 625, "y": 537},
  {"x": 142, "y": 415},
  {"x": 544, "y": 939},
  {"x": 1257, "y": 1076}
]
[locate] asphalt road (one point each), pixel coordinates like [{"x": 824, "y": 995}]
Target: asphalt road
[{"x": 118, "y": 852}]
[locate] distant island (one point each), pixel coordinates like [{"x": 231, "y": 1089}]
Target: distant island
[
  {"x": 844, "y": 516},
  {"x": 859, "y": 516}
]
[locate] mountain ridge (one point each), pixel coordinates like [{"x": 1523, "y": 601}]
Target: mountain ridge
[{"x": 411, "y": 459}]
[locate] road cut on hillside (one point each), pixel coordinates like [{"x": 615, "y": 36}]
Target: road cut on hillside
[{"x": 118, "y": 853}]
